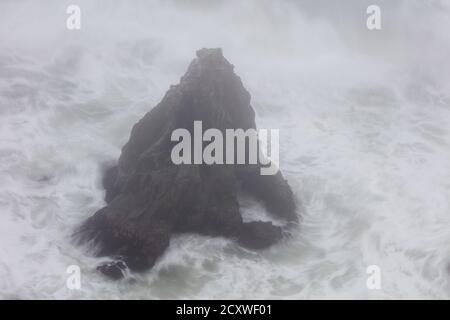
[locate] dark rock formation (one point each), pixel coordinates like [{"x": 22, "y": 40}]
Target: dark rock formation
[{"x": 149, "y": 197}]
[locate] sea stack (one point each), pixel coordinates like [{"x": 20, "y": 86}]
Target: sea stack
[{"x": 149, "y": 198}]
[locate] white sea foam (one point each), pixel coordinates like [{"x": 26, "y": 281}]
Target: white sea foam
[{"x": 364, "y": 120}]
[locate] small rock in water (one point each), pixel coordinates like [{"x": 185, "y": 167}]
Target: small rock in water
[
  {"x": 114, "y": 269},
  {"x": 259, "y": 234}
]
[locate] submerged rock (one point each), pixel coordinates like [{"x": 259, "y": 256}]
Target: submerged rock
[
  {"x": 115, "y": 269},
  {"x": 149, "y": 198}
]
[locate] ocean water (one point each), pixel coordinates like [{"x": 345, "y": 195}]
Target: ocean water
[{"x": 364, "y": 120}]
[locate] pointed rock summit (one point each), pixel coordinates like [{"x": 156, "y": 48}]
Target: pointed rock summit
[{"x": 149, "y": 198}]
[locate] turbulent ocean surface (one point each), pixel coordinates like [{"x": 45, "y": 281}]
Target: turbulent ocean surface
[{"x": 364, "y": 119}]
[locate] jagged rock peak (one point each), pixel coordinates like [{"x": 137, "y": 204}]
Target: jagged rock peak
[{"x": 208, "y": 63}]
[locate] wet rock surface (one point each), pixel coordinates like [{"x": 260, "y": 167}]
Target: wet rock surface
[{"x": 149, "y": 198}]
